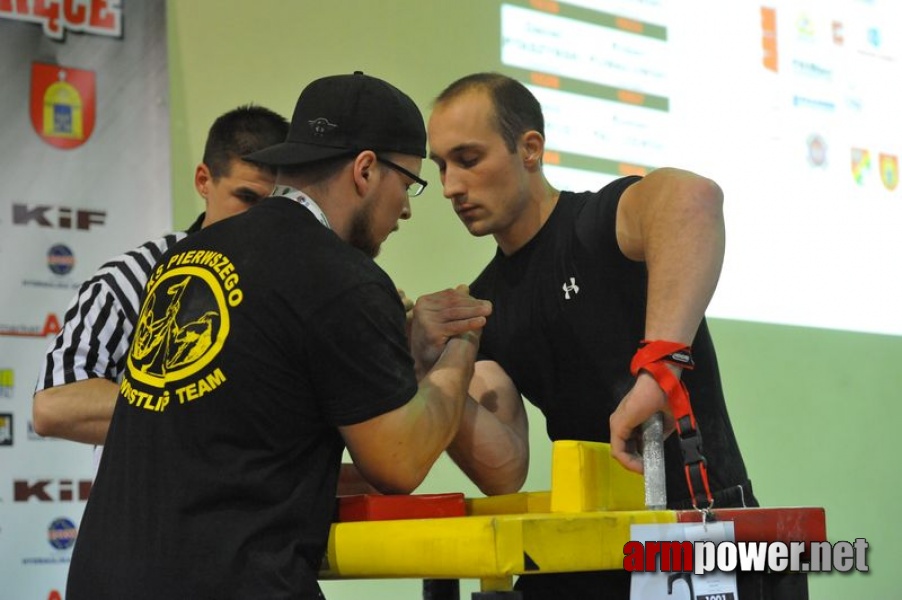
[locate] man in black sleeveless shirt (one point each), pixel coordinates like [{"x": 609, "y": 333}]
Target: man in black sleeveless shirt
[{"x": 578, "y": 281}]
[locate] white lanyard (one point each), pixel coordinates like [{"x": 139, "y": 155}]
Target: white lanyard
[{"x": 304, "y": 200}]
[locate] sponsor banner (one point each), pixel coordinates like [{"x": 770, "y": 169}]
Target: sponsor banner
[{"x": 86, "y": 177}]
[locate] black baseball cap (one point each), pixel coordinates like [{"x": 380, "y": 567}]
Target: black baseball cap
[{"x": 346, "y": 114}]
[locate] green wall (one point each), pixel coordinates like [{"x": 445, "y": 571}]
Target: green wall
[{"x": 815, "y": 411}]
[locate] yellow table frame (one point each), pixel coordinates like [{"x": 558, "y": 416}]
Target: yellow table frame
[{"x": 582, "y": 524}]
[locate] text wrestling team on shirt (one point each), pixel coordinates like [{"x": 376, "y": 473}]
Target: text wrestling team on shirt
[{"x": 225, "y": 369}]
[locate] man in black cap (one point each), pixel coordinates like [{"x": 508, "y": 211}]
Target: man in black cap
[{"x": 267, "y": 344}]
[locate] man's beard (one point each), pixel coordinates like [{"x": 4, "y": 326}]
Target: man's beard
[{"x": 361, "y": 236}]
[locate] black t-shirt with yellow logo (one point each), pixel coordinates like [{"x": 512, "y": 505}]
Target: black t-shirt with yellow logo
[{"x": 258, "y": 336}]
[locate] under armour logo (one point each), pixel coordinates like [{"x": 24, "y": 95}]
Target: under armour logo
[
  {"x": 570, "y": 287},
  {"x": 321, "y": 126}
]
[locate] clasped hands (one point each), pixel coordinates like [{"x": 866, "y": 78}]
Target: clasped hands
[{"x": 437, "y": 317}]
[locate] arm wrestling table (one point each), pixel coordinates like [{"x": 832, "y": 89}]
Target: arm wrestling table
[{"x": 582, "y": 524}]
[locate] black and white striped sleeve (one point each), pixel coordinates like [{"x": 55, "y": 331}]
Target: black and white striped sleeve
[{"x": 99, "y": 322}]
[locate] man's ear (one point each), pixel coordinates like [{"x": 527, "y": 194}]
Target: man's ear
[
  {"x": 532, "y": 145},
  {"x": 202, "y": 179},
  {"x": 364, "y": 170}
]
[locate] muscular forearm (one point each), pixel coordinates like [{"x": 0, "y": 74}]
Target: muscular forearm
[
  {"x": 492, "y": 443},
  {"x": 673, "y": 220},
  {"x": 395, "y": 451},
  {"x": 442, "y": 394},
  {"x": 679, "y": 290},
  {"x": 494, "y": 454},
  {"x": 79, "y": 411}
]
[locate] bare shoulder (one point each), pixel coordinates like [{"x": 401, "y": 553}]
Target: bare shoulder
[
  {"x": 672, "y": 182},
  {"x": 664, "y": 192}
]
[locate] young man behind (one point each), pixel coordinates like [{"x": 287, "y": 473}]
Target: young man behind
[{"x": 80, "y": 375}]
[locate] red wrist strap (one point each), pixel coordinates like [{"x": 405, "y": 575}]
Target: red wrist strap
[{"x": 652, "y": 357}]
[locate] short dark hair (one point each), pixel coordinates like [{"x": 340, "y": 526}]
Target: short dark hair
[
  {"x": 516, "y": 109},
  {"x": 241, "y": 131}
]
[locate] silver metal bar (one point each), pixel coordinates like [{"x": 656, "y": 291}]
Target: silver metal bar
[{"x": 653, "y": 463}]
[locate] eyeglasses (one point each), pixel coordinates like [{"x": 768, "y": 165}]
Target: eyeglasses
[{"x": 414, "y": 189}]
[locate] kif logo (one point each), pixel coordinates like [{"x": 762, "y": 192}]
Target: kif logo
[
  {"x": 62, "y": 104},
  {"x": 60, "y": 217},
  {"x": 7, "y": 383},
  {"x": 51, "y": 490}
]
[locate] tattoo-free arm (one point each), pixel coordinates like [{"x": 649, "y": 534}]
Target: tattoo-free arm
[
  {"x": 80, "y": 411},
  {"x": 395, "y": 450},
  {"x": 492, "y": 444},
  {"x": 672, "y": 220}
]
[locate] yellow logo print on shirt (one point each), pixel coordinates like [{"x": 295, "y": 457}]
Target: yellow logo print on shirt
[{"x": 183, "y": 325}]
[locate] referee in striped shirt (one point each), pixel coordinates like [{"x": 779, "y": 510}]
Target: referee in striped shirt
[{"x": 79, "y": 379}]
